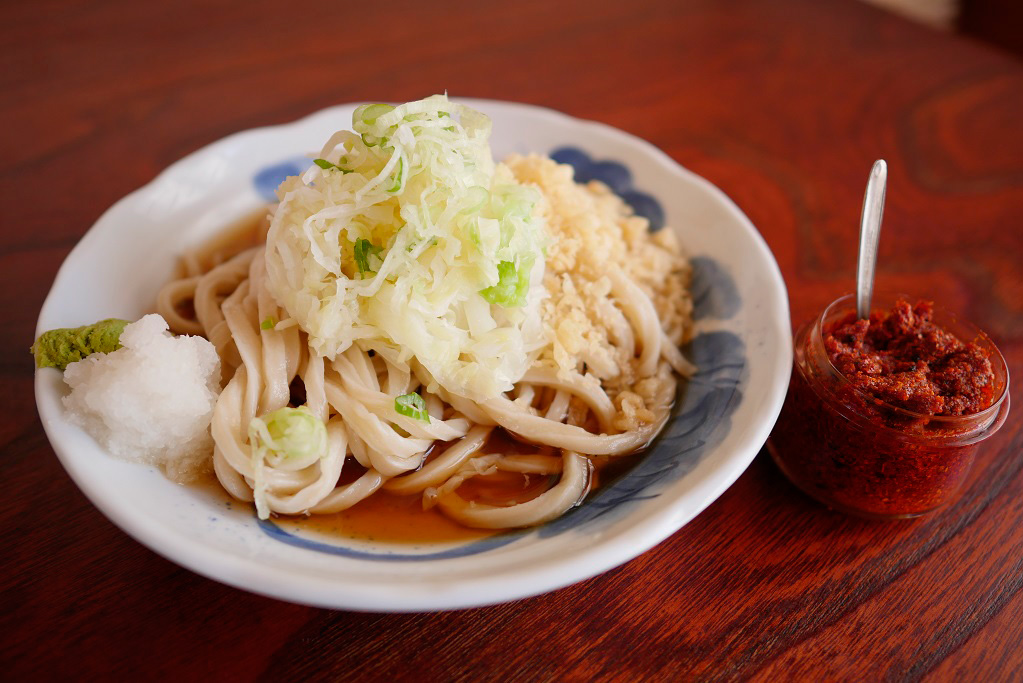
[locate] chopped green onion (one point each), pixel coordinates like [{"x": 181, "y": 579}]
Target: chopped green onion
[
  {"x": 268, "y": 323},
  {"x": 369, "y": 113},
  {"x": 371, "y": 140},
  {"x": 365, "y": 117},
  {"x": 285, "y": 434},
  {"x": 289, "y": 433},
  {"x": 412, "y": 405},
  {"x": 363, "y": 250},
  {"x": 325, "y": 165},
  {"x": 512, "y": 285},
  {"x": 396, "y": 185}
]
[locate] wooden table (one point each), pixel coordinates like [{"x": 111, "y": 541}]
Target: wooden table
[{"x": 783, "y": 105}]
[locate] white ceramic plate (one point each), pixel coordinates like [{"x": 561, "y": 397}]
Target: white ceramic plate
[{"x": 743, "y": 351}]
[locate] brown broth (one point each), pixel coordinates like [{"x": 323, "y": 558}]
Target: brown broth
[
  {"x": 388, "y": 518},
  {"x": 391, "y": 518},
  {"x": 210, "y": 489},
  {"x": 244, "y": 233}
]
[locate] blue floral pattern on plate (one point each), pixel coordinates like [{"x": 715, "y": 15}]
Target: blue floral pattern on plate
[
  {"x": 702, "y": 414},
  {"x": 617, "y": 177},
  {"x": 268, "y": 179}
]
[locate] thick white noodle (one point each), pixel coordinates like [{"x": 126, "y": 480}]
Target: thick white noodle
[
  {"x": 443, "y": 468},
  {"x": 263, "y": 354},
  {"x": 575, "y": 476}
]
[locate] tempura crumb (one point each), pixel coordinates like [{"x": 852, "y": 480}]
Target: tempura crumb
[{"x": 593, "y": 232}]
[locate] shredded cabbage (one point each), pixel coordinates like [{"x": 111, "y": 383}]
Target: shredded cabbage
[{"x": 406, "y": 238}]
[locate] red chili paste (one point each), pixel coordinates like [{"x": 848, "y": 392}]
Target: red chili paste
[
  {"x": 847, "y": 439},
  {"x": 905, "y": 360}
]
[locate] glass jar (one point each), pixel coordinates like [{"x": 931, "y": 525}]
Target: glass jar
[{"x": 860, "y": 455}]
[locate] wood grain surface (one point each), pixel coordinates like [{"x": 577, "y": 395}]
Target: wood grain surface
[{"x": 784, "y": 105}]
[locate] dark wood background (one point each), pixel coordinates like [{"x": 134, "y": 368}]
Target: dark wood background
[{"x": 783, "y": 105}]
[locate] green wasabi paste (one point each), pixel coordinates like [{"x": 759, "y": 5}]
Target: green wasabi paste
[{"x": 59, "y": 348}]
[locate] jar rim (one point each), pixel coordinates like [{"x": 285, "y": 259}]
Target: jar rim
[{"x": 995, "y": 356}]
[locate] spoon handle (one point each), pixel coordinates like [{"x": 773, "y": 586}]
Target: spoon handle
[{"x": 870, "y": 233}]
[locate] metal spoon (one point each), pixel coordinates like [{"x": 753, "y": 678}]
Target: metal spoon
[{"x": 870, "y": 233}]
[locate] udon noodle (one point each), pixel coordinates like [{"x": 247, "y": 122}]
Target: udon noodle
[{"x": 617, "y": 309}]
